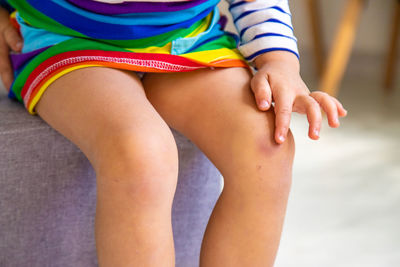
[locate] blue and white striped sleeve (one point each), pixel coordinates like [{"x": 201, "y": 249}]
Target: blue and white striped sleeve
[{"x": 263, "y": 26}]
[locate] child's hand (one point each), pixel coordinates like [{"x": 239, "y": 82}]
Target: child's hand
[
  {"x": 278, "y": 78},
  {"x": 9, "y": 39}
]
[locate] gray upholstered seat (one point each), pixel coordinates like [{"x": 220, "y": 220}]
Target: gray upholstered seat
[{"x": 48, "y": 196}]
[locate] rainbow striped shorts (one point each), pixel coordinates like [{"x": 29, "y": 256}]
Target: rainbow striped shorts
[{"x": 65, "y": 35}]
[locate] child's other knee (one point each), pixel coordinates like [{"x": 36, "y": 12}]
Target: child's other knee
[
  {"x": 130, "y": 151},
  {"x": 143, "y": 166}
]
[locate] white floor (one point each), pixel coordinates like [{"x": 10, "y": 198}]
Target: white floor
[{"x": 344, "y": 208}]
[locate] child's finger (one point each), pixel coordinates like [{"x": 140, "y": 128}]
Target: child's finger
[
  {"x": 6, "y": 73},
  {"x": 13, "y": 38},
  {"x": 261, "y": 90},
  {"x": 341, "y": 110},
  {"x": 313, "y": 112},
  {"x": 329, "y": 106},
  {"x": 283, "y": 111}
]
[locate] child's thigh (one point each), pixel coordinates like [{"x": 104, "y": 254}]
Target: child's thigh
[
  {"x": 217, "y": 110},
  {"x": 221, "y": 98},
  {"x": 95, "y": 106}
]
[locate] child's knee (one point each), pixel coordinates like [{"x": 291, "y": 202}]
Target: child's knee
[
  {"x": 132, "y": 151},
  {"x": 267, "y": 146},
  {"x": 256, "y": 132},
  {"x": 143, "y": 168}
]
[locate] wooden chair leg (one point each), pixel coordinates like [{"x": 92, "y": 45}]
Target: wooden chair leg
[
  {"x": 391, "y": 61},
  {"x": 315, "y": 23},
  {"x": 341, "y": 48}
]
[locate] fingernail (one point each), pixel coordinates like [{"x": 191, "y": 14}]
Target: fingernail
[
  {"x": 264, "y": 104},
  {"x": 281, "y": 138},
  {"x": 316, "y": 132}
]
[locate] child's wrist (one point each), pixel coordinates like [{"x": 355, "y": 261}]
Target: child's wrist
[{"x": 280, "y": 56}]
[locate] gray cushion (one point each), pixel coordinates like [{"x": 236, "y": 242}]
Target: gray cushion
[{"x": 48, "y": 196}]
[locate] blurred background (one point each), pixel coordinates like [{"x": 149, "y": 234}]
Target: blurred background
[{"x": 344, "y": 208}]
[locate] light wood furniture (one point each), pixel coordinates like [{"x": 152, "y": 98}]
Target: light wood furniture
[
  {"x": 331, "y": 73},
  {"x": 316, "y": 33},
  {"x": 392, "y": 55},
  {"x": 341, "y": 48}
]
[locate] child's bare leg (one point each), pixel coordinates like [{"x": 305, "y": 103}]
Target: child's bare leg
[
  {"x": 106, "y": 114},
  {"x": 216, "y": 110}
]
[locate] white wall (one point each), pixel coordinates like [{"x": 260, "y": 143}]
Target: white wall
[{"x": 373, "y": 32}]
